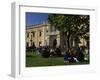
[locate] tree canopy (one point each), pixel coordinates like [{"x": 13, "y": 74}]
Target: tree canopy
[{"x": 72, "y": 26}]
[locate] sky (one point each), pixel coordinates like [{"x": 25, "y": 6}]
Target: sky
[{"x": 35, "y": 18}]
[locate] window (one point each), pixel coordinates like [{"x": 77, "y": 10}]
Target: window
[
  {"x": 33, "y": 33},
  {"x": 47, "y": 31},
  {"x": 40, "y": 43},
  {"x": 40, "y": 33},
  {"x": 27, "y": 44},
  {"x": 31, "y": 42},
  {"x": 27, "y": 34},
  {"x": 33, "y": 45}
]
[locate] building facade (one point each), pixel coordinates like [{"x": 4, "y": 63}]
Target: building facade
[
  {"x": 41, "y": 35},
  {"x": 44, "y": 35}
]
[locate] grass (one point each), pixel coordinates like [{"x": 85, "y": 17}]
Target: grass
[{"x": 33, "y": 60}]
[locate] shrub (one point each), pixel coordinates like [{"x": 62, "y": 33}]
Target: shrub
[
  {"x": 45, "y": 53},
  {"x": 58, "y": 52},
  {"x": 30, "y": 49}
]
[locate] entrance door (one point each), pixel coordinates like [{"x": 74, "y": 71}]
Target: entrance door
[{"x": 51, "y": 40}]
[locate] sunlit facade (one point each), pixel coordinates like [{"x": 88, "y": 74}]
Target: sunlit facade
[
  {"x": 41, "y": 35},
  {"x": 44, "y": 35}
]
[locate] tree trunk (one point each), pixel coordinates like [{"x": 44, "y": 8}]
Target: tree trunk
[
  {"x": 68, "y": 42},
  {"x": 71, "y": 41},
  {"x": 62, "y": 41},
  {"x": 65, "y": 41}
]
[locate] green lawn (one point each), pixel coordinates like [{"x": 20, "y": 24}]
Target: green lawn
[{"x": 33, "y": 59}]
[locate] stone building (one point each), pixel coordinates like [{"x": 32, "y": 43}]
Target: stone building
[
  {"x": 44, "y": 35},
  {"x": 41, "y": 35}
]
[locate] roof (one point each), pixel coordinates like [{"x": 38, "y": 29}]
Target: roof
[{"x": 36, "y": 25}]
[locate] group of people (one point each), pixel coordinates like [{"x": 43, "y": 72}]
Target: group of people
[
  {"x": 47, "y": 51},
  {"x": 74, "y": 55},
  {"x": 70, "y": 55}
]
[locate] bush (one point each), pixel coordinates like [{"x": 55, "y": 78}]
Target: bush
[
  {"x": 45, "y": 53},
  {"x": 30, "y": 49},
  {"x": 58, "y": 52},
  {"x": 30, "y": 54}
]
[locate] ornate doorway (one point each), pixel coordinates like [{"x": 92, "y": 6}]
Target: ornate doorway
[{"x": 52, "y": 39}]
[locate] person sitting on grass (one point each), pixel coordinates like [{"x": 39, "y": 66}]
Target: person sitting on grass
[
  {"x": 80, "y": 54},
  {"x": 66, "y": 57},
  {"x": 52, "y": 53},
  {"x": 69, "y": 56},
  {"x": 73, "y": 55}
]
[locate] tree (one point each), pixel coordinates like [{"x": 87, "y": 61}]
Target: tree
[{"x": 71, "y": 27}]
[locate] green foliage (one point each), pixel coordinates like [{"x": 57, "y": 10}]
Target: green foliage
[
  {"x": 70, "y": 25},
  {"x": 45, "y": 54}
]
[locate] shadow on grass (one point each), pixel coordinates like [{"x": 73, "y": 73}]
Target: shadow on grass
[{"x": 36, "y": 60}]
